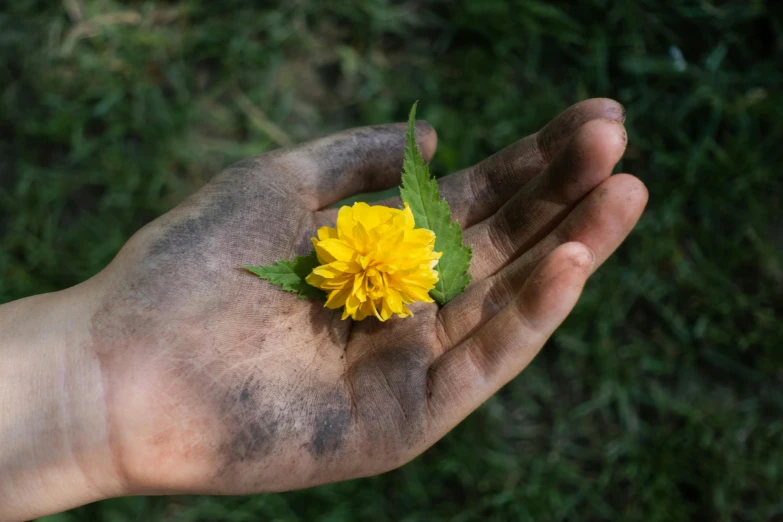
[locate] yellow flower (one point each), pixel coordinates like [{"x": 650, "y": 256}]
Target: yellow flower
[{"x": 375, "y": 262}]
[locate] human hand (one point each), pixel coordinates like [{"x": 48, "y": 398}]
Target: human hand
[{"x": 216, "y": 382}]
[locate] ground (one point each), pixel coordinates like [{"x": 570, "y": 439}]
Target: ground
[{"x": 660, "y": 399}]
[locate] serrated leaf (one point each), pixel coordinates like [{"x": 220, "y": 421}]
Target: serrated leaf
[
  {"x": 290, "y": 275},
  {"x": 420, "y": 191}
]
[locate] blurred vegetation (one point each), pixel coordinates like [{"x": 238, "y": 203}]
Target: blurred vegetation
[{"x": 661, "y": 398}]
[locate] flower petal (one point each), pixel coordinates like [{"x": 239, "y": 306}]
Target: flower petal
[
  {"x": 327, "y": 233},
  {"x": 339, "y": 249},
  {"x": 337, "y": 298}
]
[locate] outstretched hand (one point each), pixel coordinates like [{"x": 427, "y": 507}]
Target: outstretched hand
[{"x": 215, "y": 381}]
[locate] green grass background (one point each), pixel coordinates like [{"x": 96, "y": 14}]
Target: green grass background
[{"x": 660, "y": 399}]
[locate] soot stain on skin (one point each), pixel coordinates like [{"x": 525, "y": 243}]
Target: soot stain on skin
[
  {"x": 179, "y": 247},
  {"x": 224, "y": 199},
  {"x": 331, "y": 425},
  {"x": 254, "y": 426},
  {"x": 392, "y": 387},
  {"x": 258, "y": 429},
  {"x": 189, "y": 234},
  {"x": 375, "y": 152},
  {"x": 225, "y": 224},
  {"x": 389, "y": 390}
]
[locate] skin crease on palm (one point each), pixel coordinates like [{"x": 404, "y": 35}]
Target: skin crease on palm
[{"x": 210, "y": 380}]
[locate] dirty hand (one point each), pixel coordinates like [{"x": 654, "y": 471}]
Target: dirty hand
[{"x": 185, "y": 374}]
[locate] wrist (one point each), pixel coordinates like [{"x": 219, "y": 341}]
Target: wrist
[{"x": 54, "y": 449}]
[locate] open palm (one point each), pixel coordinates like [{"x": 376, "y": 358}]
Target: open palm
[{"x": 216, "y": 381}]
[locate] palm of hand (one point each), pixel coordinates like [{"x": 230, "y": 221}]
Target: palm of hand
[{"x": 218, "y": 382}]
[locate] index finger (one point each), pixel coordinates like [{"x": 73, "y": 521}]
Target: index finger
[{"x": 476, "y": 192}]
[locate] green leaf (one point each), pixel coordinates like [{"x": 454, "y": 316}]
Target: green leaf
[
  {"x": 290, "y": 275},
  {"x": 420, "y": 191}
]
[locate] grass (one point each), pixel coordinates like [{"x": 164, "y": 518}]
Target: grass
[{"x": 659, "y": 400}]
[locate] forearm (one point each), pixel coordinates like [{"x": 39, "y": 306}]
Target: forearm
[{"x": 54, "y": 450}]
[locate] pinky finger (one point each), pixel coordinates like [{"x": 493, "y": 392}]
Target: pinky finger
[{"x": 468, "y": 374}]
